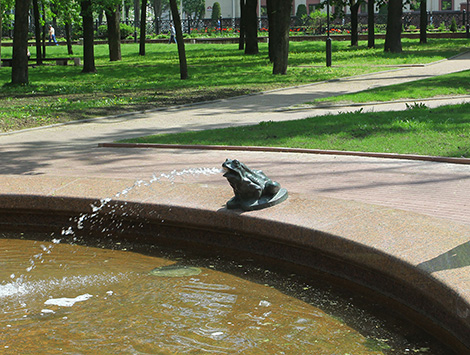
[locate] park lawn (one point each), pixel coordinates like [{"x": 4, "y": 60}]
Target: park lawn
[
  {"x": 62, "y": 93},
  {"x": 440, "y": 86},
  {"x": 443, "y": 131}
]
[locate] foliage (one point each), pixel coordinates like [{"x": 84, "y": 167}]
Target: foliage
[
  {"x": 126, "y": 31},
  {"x": 301, "y": 14},
  {"x": 67, "y": 11},
  {"x": 8, "y": 17},
  {"x": 453, "y": 25},
  {"x": 216, "y": 13},
  {"x": 194, "y": 8},
  {"x": 315, "y": 20},
  {"x": 442, "y": 27}
]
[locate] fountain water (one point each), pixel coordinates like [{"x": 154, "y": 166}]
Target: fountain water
[{"x": 91, "y": 300}]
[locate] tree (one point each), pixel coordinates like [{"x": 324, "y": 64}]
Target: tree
[
  {"x": 1, "y": 30},
  {"x": 241, "y": 39},
  {"x": 88, "y": 37},
  {"x": 394, "y": 27},
  {"x": 279, "y": 22},
  {"x": 68, "y": 12},
  {"x": 19, "y": 70},
  {"x": 354, "y": 6},
  {"x": 37, "y": 32},
  {"x": 371, "y": 24},
  {"x": 423, "y": 22},
  {"x": 251, "y": 27},
  {"x": 194, "y": 8},
  {"x": 215, "y": 14},
  {"x": 114, "y": 31},
  {"x": 143, "y": 28},
  {"x": 301, "y": 14},
  {"x": 112, "y": 13},
  {"x": 179, "y": 40}
]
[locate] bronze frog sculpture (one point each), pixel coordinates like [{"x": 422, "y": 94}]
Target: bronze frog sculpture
[{"x": 253, "y": 189}]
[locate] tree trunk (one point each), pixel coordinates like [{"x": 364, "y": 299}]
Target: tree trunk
[
  {"x": 45, "y": 33},
  {"x": 179, "y": 40},
  {"x": 370, "y": 24},
  {"x": 114, "y": 33},
  {"x": 143, "y": 25},
  {"x": 279, "y": 13},
  {"x": 19, "y": 70},
  {"x": 136, "y": 13},
  {"x": 68, "y": 38},
  {"x": 1, "y": 31},
  {"x": 241, "y": 40},
  {"x": 88, "y": 38},
  {"x": 37, "y": 32},
  {"x": 281, "y": 44},
  {"x": 354, "y": 35},
  {"x": 423, "y": 22},
  {"x": 270, "y": 5},
  {"x": 394, "y": 27},
  {"x": 251, "y": 27}
]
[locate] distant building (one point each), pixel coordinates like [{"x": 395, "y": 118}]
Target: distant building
[{"x": 231, "y": 8}]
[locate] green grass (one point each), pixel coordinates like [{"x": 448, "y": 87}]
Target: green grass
[
  {"x": 443, "y": 131},
  {"x": 60, "y": 94},
  {"x": 445, "y": 85}
]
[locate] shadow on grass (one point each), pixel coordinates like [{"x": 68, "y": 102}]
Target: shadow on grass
[{"x": 442, "y": 131}]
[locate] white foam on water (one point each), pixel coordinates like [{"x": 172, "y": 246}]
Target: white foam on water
[
  {"x": 67, "y": 302},
  {"x": 22, "y": 288}
]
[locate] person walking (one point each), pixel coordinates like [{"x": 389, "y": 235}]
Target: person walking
[
  {"x": 172, "y": 34},
  {"x": 52, "y": 35}
]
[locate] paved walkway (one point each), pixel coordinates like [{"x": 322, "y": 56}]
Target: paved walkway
[{"x": 436, "y": 189}]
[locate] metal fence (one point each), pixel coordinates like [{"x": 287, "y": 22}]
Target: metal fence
[
  {"x": 162, "y": 26},
  {"x": 435, "y": 18}
]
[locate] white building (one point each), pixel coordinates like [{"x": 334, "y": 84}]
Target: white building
[{"x": 231, "y": 8}]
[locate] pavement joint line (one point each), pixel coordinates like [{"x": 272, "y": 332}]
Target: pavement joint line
[{"x": 437, "y": 159}]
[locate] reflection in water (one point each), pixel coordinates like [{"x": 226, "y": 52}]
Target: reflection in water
[{"x": 117, "y": 307}]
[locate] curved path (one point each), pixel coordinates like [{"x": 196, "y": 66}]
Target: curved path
[{"x": 414, "y": 212}]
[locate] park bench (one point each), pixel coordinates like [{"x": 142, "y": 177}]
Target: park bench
[{"x": 6, "y": 62}]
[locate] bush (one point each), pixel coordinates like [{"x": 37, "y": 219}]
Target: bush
[
  {"x": 442, "y": 27},
  {"x": 453, "y": 25},
  {"x": 126, "y": 31},
  {"x": 216, "y": 11},
  {"x": 301, "y": 12}
]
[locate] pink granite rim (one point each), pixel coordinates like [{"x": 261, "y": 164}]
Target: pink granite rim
[
  {"x": 439, "y": 159},
  {"x": 432, "y": 299}
]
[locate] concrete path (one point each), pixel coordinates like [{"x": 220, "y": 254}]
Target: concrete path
[{"x": 435, "y": 189}]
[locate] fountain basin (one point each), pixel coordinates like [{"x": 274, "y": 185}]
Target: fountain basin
[{"x": 403, "y": 258}]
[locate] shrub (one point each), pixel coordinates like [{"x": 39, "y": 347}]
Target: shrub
[
  {"x": 126, "y": 31},
  {"x": 215, "y": 13},
  {"x": 301, "y": 14},
  {"x": 453, "y": 25},
  {"x": 442, "y": 27}
]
